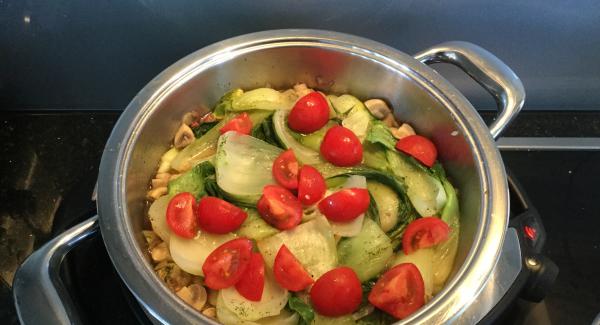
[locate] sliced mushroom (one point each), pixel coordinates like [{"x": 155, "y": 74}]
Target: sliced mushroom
[
  {"x": 378, "y": 108},
  {"x": 183, "y": 137},
  {"x": 210, "y": 312},
  {"x": 208, "y": 118},
  {"x": 160, "y": 253},
  {"x": 403, "y": 131},
  {"x": 190, "y": 118},
  {"x": 194, "y": 295},
  {"x": 156, "y": 182},
  {"x": 163, "y": 176},
  {"x": 301, "y": 90},
  {"x": 155, "y": 193},
  {"x": 390, "y": 121}
]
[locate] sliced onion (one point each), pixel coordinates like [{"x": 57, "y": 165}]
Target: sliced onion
[
  {"x": 157, "y": 213},
  {"x": 190, "y": 254},
  {"x": 274, "y": 298}
]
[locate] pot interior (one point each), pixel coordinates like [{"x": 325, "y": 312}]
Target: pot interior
[{"x": 324, "y": 67}]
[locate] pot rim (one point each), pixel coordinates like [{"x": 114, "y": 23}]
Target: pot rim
[{"x": 162, "y": 304}]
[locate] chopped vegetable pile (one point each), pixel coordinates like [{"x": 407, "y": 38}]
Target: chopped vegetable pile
[{"x": 296, "y": 207}]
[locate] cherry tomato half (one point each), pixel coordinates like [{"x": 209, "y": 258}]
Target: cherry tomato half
[
  {"x": 288, "y": 271},
  {"x": 337, "y": 292},
  {"x": 345, "y": 205},
  {"x": 341, "y": 147},
  {"x": 423, "y": 233},
  {"x": 309, "y": 114},
  {"x": 279, "y": 207},
  {"x": 226, "y": 265},
  {"x": 311, "y": 185},
  {"x": 180, "y": 215},
  {"x": 241, "y": 123},
  {"x": 252, "y": 284},
  {"x": 285, "y": 170},
  {"x": 400, "y": 291},
  {"x": 219, "y": 216},
  {"x": 419, "y": 147}
]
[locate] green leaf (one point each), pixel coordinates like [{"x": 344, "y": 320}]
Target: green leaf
[
  {"x": 307, "y": 314},
  {"x": 265, "y": 132},
  {"x": 193, "y": 181},
  {"x": 380, "y": 133},
  {"x": 224, "y": 104},
  {"x": 201, "y": 129}
]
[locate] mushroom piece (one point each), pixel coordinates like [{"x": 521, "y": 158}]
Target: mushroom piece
[
  {"x": 378, "y": 108},
  {"x": 210, "y": 312},
  {"x": 162, "y": 176},
  {"x": 208, "y": 118},
  {"x": 155, "y": 193},
  {"x": 403, "y": 131},
  {"x": 194, "y": 295},
  {"x": 190, "y": 118},
  {"x": 183, "y": 137},
  {"x": 302, "y": 90},
  {"x": 390, "y": 121},
  {"x": 157, "y": 182},
  {"x": 160, "y": 253}
]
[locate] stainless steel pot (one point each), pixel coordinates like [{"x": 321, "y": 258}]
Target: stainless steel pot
[{"x": 488, "y": 258}]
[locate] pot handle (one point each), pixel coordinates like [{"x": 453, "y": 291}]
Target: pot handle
[
  {"x": 487, "y": 70},
  {"x": 40, "y": 297}
]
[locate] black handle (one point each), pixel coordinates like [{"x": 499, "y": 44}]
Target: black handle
[{"x": 538, "y": 272}]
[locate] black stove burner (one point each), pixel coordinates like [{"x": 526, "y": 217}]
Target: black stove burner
[{"x": 102, "y": 298}]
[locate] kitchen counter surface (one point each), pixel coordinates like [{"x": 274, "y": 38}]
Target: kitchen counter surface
[{"x": 46, "y": 156}]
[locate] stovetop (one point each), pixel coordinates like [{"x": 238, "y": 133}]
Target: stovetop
[{"x": 50, "y": 163}]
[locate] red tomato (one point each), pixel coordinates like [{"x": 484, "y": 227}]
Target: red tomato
[
  {"x": 400, "y": 291},
  {"x": 337, "y": 292},
  {"x": 288, "y": 271},
  {"x": 419, "y": 147},
  {"x": 180, "y": 215},
  {"x": 226, "y": 265},
  {"x": 423, "y": 233},
  {"x": 241, "y": 123},
  {"x": 341, "y": 147},
  {"x": 345, "y": 205},
  {"x": 285, "y": 170},
  {"x": 309, "y": 114},
  {"x": 311, "y": 185},
  {"x": 219, "y": 216},
  {"x": 252, "y": 284},
  {"x": 279, "y": 207}
]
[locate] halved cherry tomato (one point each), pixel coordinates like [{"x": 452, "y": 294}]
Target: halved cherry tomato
[
  {"x": 345, "y": 205},
  {"x": 285, "y": 170},
  {"x": 219, "y": 216},
  {"x": 341, "y": 147},
  {"x": 311, "y": 185},
  {"x": 180, "y": 215},
  {"x": 252, "y": 284},
  {"x": 400, "y": 291},
  {"x": 241, "y": 123},
  {"x": 288, "y": 271},
  {"x": 226, "y": 265},
  {"x": 423, "y": 233},
  {"x": 309, "y": 114},
  {"x": 279, "y": 207},
  {"x": 337, "y": 292},
  {"x": 419, "y": 147}
]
